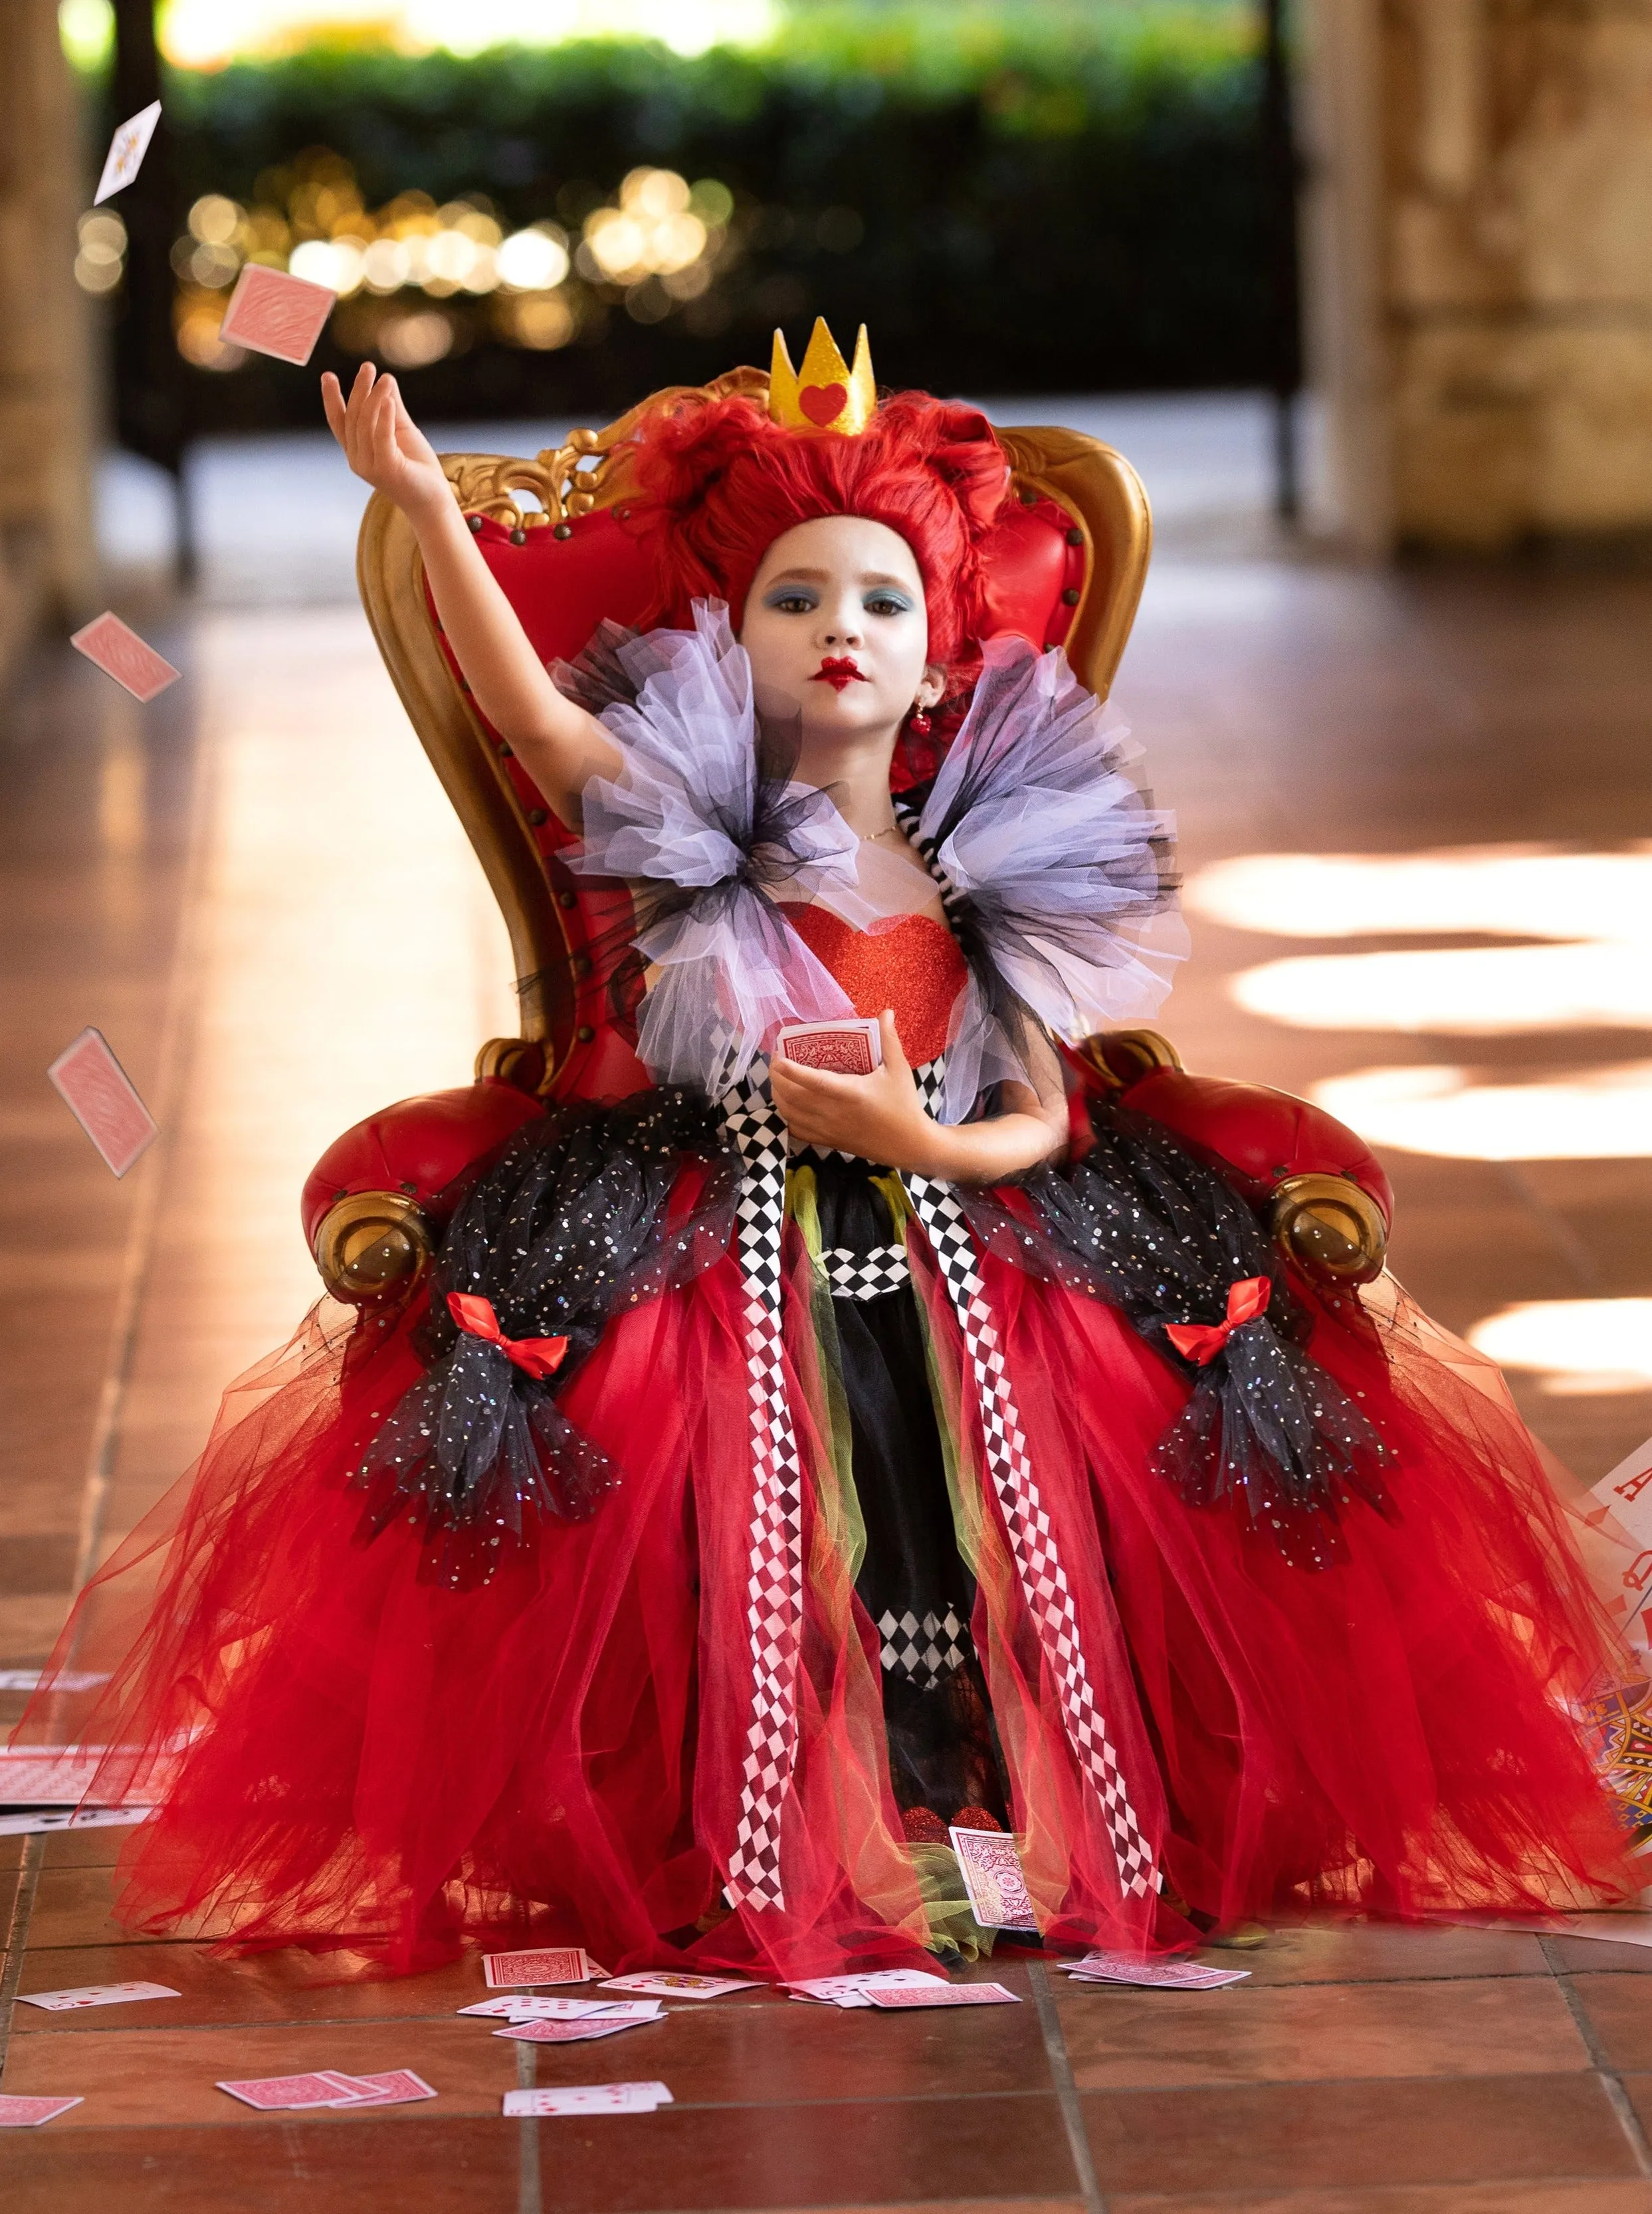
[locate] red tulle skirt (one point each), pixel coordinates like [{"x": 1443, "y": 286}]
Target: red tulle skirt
[{"x": 352, "y": 1756}]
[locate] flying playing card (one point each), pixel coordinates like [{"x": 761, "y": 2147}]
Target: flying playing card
[
  {"x": 276, "y": 2094},
  {"x": 28, "y": 2114},
  {"x": 852, "y": 1047},
  {"x": 1167, "y": 1975},
  {"x": 270, "y": 312},
  {"x": 993, "y": 1880},
  {"x": 564, "y": 1963},
  {"x": 677, "y": 1984},
  {"x": 518, "y": 2007},
  {"x": 95, "y": 1995},
  {"x": 590, "y": 2099},
  {"x": 103, "y": 1100},
  {"x": 572, "y": 2033},
  {"x": 945, "y": 1995},
  {"x": 126, "y": 150},
  {"x": 119, "y": 652},
  {"x": 853, "y": 1990}
]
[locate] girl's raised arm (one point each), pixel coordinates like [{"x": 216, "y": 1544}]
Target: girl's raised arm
[{"x": 559, "y": 745}]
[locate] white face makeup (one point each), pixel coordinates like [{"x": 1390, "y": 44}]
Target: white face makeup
[{"x": 836, "y": 628}]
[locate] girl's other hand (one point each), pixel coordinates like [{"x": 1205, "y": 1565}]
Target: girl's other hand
[
  {"x": 381, "y": 442},
  {"x": 880, "y": 1117}
]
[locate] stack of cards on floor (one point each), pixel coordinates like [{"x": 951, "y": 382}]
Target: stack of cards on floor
[
  {"x": 559, "y": 1964},
  {"x": 1167, "y": 1975},
  {"x": 328, "y": 2087},
  {"x": 623, "y": 2015},
  {"x": 992, "y": 1877},
  {"x": 590, "y": 2099},
  {"x": 677, "y": 1984},
  {"x": 28, "y": 2114},
  {"x": 93, "y": 1995},
  {"x": 901, "y": 1988}
]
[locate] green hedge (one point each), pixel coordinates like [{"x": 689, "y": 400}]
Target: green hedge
[{"x": 1054, "y": 198}]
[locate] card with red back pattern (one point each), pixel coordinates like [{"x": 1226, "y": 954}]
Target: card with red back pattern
[
  {"x": 276, "y": 2094},
  {"x": 943, "y": 1995},
  {"x": 560, "y": 1963},
  {"x": 119, "y": 652},
  {"x": 270, "y": 312},
  {"x": 103, "y": 1100},
  {"x": 853, "y": 1047},
  {"x": 19, "y": 2113}
]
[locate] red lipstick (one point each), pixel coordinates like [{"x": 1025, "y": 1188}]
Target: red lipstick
[{"x": 837, "y": 670}]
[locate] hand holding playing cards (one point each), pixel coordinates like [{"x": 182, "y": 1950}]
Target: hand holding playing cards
[
  {"x": 381, "y": 442},
  {"x": 879, "y": 1117}
]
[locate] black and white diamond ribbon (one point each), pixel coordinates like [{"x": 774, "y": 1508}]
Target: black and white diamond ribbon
[{"x": 925, "y": 1650}]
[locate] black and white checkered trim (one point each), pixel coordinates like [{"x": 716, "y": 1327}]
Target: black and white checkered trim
[
  {"x": 864, "y": 1276},
  {"x": 774, "y": 1575},
  {"x": 926, "y": 1650}
]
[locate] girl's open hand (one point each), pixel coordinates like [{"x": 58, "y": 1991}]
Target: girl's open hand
[
  {"x": 381, "y": 441},
  {"x": 879, "y": 1117}
]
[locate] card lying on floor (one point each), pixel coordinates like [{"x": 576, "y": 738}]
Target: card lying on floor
[
  {"x": 562, "y": 1964},
  {"x": 994, "y": 1879},
  {"x": 276, "y": 2094},
  {"x": 852, "y": 1047},
  {"x": 396, "y": 2087},
  {"x": 518, "y": 2007},
  {"x": 573, "y": 2032},
  {"x": 945, "y": 1995},
  {"x": 1167, "y": 1975},
  {"x": 854, "y": 1990},
  {"x": 91, "y": 1995},
  {"x": 590, "y": 2099},
  {"x": 126, "y": 150},
  {"x": 677, "y": 1984},
  {"x": 270, "y": 312},
  {"x": 121, "y": 653},
  {"x": 28, "y": 2114},
  {"x": 103, "y": 1100}
]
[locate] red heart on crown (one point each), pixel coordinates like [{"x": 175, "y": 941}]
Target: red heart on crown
[{"x": 823, "y": 403}]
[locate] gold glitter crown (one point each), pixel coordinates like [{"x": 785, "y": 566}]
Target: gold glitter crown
[{"x": 826, "y": 394}]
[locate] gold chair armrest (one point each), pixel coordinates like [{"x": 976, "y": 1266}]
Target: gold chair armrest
[
  {"x": 1330, "y": 1226},
  {"x": 1122, "y": 1058},
  {"x": 370, "y": 1245}
]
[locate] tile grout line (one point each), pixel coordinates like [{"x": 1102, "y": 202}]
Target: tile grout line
[
  {"x": 1610, "y": 2081},
  {"x": 1066, "y": 2091},
  {"x": 528, "y": 2199},
  {"x": 22, "y": 1907}
]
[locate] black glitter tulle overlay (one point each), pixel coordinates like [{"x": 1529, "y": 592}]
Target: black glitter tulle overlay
[
  {"x": 1139, "y": 1221},
  {"x": 585, "y": 1214}
]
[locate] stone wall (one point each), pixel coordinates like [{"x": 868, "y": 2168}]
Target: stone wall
[
  {"x": 1478, "y": 240},
  {"x": 47, "y": 558}
]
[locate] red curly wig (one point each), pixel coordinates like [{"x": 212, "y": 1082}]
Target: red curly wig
[{"x": 716, "y": 482}]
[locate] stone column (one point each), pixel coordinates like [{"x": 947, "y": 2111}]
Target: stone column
[
  {"x": 1477, "y": 237},
  {"x": 47, "y": 551}
]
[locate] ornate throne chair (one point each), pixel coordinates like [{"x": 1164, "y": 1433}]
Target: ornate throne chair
[{"x": 1066, "y": 567}]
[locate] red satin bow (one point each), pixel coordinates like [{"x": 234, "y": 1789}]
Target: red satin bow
[
  {"x": 538, "y": 1357},
  {"x": 1202, "y": 1342}
]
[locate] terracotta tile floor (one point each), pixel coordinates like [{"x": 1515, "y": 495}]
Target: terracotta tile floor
[{"x": 255, "y": 888}]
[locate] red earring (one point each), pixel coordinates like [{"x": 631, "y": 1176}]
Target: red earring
[{"x": 918, "y": 722}]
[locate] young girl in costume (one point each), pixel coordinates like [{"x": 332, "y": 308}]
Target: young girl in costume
[{"x": 780, "y": 1465}]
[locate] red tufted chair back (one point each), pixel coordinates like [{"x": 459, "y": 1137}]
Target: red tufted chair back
[{"x": 1065, "y": 567}]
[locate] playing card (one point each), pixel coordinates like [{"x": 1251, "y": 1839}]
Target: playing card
[
  {"x": 95, "y": 1995},
  {"x": 395, "y": 2087},
  {"x": 1168, "y": 1975},
  {"x": 590, "y": 2099},
  {"x": 126, "y": 150},
  {"x": 270, "y": 312},
  {"x": 102, "y": 1099},
  {"x": 273, "y": 2094},
  {"x": 28, "y": 2114},
  {"x": 351, "y": 2090},
  {"x": 945, "y": 1995},
  {"x": 852, "y": 1991},
  {"x": 852, "y": 1047},
  {"x": 677, "y": 1984},
  {"x": 993, "y": 1880},
  {"x": 517, "y": 2007},
  {"x": 572, "y": 2033},
  {"x": 72, "y": 1818},
  {"x": 119, "y": 652},
  {"x": 564, "y": 1963}
]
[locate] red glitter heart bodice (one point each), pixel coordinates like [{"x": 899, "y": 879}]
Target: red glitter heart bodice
[{"x": 911, "y": 963}]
